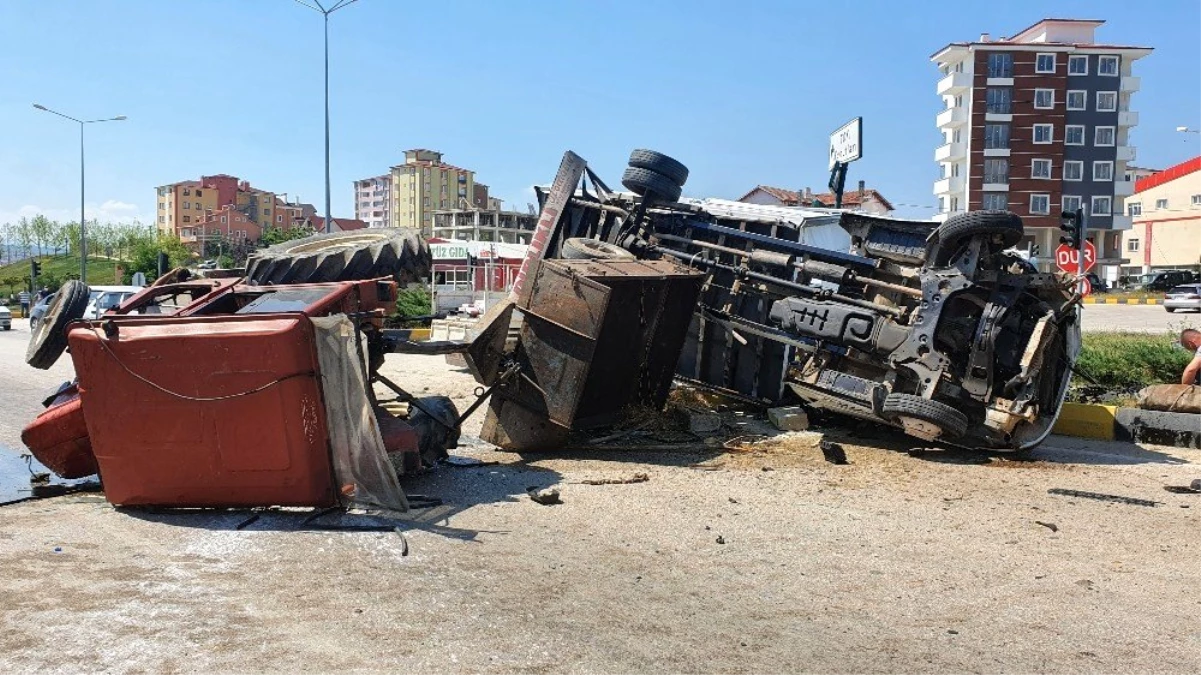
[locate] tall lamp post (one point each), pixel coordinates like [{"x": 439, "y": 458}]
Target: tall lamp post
[
  {"x": 1187, "y": 130},
  {"x": 83, "y": 240},
  {"x": 316, "y": 6}
]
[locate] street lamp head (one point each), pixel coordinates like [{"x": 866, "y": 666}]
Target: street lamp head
[
  {"x": 119, "y": 118},
  {"x": 39, "y": 106},
  {"x": 1181, "y": 128}
]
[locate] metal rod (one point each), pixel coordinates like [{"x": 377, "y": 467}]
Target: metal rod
[
  {"x": 83, "y": 238},
  {"x": 412, "y": 400},
  {"x": 328, "y": 219},
  {"x": 512, "y": 370}
]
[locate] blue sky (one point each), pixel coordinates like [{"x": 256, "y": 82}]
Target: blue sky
[{"x": 742, "y": 92}]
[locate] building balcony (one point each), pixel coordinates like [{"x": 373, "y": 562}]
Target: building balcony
[
  {"x": 1130, "y": 84},
  {"x": 996, "y": 152},
  {"x": 1123, "y": 188},
  {"x": 998, "y": 117},
  {"x": 995, "y": 187},
  {"x": 1127, "y": 119},
  {"x": 949, "y": 152},
  {"x": 948, "y": 186},
  {"x": 1122, "y": 222},
  {"x": 1126, "y": 153},
  {"x": 951, "y": 118},
  {"x": 954, "y": 83}
]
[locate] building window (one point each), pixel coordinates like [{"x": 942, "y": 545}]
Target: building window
[
  {"x": 1044, "y": 99},
  {"x": 1040, "y": 168},
  {"x": 162, "y": 219},
  {"x": 1134, "y": 209},
  {"x": 1073, "y": 134},
  {"x": 1132, "y": 245},
  {"x": 1044, "y": 63},
  {"x": 1104, "y": 136},
  {"x": 998, "y": 100},
  {"x": 187, "y": 219},
  {"x": 1161, "y": 204},
  {"x": 996, "y": 136},
  {"x": 187, "y": 192},
  {"x": 1107, "y": 101},
  {"x": 1071, "y": 203},
  {"x": 198, "y": 192},
  {"x": 1102, "y": 205},
  {"x": 187, "y": 205},
  {"x": 162, "y": 205},
  {"x": 223, "y": 219},
  {"x": 942, "y": 204},
  {"x": 1040, "y": 205},
  {"x": 1077, "y": 99},
  {"x": 1000, "y": 65},
  {"x": 995, "y": 201},
  {"x": 1077, "y": 65},
  {"x": 1103, "y": 171},
  {"x": 1107, "y": 65},
  {"x": 996, "y": 171},
  {"x": 1044, "y": 133},
  {"x": 279, "y": 219},
  {"x": 1196, "y": 200},
  {"x": 1073, "y": 169}
]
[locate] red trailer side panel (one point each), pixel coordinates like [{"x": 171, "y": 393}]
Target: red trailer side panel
[{"x": 206, "y": 411}]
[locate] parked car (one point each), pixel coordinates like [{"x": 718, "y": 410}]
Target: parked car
[
  {"x": 39, "y": 310},
  {"x": 1163, "y": 280},
  {"x": 6, "y": 318},
  {"x": 1097, "y": 283},
  {"x": 1187, "y": 296},
  {"x": 104, "y": 298}
]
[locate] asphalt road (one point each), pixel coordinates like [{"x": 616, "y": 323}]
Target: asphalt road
[{"x": 1137, "y": 319}]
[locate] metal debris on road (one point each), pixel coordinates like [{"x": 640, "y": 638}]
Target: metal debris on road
[
  {"x": 636, "y": 478},
  {"x": 833, "y": 452},
  {"x": 1102, "y": 497},
  {"x": 1050, "y": 526},
  {"x": 544, "y": 496}
]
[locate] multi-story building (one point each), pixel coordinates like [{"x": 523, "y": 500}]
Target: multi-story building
[
  {"x": 423, "y": 184},
  {"x": 1166, "y": 210},
  {"x": 373, "y": 199},
  {"x": 1036, "y": 124},
  {"x": 863, "y": 199},
  {"x": 494, "y": 225},
  {"x": 182, "y": 205}
]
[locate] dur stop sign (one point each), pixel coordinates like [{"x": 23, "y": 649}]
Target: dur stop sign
[{"x": 1067, "y": 259}]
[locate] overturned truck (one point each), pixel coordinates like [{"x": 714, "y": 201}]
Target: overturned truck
[{"x": 940, "y": 330}]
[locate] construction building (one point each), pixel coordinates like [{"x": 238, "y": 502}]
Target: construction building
[
  {"x": 1039, "y": 123},
  {"x": 483, "y": 224}
]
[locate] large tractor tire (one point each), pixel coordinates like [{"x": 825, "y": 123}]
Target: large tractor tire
[
  {"x": 579, "y": 248},
  {"x": 343, "y": 256},
  {"x": 49, "y": 339}
]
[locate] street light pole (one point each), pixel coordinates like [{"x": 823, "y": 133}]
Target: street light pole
[
  {"x": 339, "y": 4},
  {"x": 83, "y": 239}
]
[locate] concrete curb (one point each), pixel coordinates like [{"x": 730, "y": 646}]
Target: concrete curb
[
  {"x": 1108, "y": 423},
  {"x": 1122, "y": 301}
]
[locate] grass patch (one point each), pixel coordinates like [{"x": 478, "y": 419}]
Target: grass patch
[
  {"x": 1131, "y": 360},
  {"x": 56, "y": 270}
]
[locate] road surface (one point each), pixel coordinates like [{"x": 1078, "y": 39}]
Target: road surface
[{"x": 767, "y": 560}]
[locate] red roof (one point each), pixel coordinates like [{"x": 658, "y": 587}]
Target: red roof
[
  {"x": 789, "y": 197},
  {"x": 343, "y": 224},
  {"x": 1167, "y": 175}
]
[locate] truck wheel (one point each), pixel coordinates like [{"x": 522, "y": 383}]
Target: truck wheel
[
  {"x": 651, "y": 185},
  {"x": 580, "y": 248},
  {"x": 49, "y": 340},
  {"x": 343, "y": 256},
  {"x": 999, "y": 223},
  {"x": 661, "y": 164},
  {"x": 952, "y": 422}
]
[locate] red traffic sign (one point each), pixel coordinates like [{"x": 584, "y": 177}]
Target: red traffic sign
[
  {"x": 1067, "y": 258},
  {"x": 1084, "y": 287}
]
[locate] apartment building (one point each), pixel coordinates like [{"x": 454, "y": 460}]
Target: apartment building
[
  {"x": 1039, "y": 123},
  {"x": 183, "y": 205},
  {"x": 1166, "y": 210},
  {"x": 492, "y": 225},
  {"x": 424, "y": 184},
  {"x": 373, "y": 200}
]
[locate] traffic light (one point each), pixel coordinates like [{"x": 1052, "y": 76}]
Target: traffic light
[
  {"x": 1034, "y": 250},
  {"x": 1069, "y": 222},
  {"x": 35, "y": 268}
]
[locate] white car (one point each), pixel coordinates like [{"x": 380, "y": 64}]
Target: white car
[
  {"x": 104, "y": 298},
  {"x": 6, "y": 318}
]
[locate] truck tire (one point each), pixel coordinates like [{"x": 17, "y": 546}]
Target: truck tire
[
  {"x": 343, "y": 256},
  {"x": 661, "y": 164},
  {"x": 651, "y": 185},
  {"x": 962, "y": 225},
  {"x": 580, "y": 248},
  {"x": 952, "y": 422},
  {"x": 49, "y": 340}
]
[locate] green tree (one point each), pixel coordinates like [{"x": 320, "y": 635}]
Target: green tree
[
  {"x": 412, "y": 302},
  {"x": 11, "y": 282},
  {"x": 278, "y": 235},
  {"x": 144, "y": 258}
]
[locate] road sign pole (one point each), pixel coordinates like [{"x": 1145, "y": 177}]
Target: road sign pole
[{"x": 1082, "y": 218}]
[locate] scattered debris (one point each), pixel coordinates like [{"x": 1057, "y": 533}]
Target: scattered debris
[
  {"x": 544, "y": 496},
  {"x": 721, "y": 539},
  {"x": 636, "y": 478},
  {"x": 1196, "y": 484},
  {"x": 1183, "y": 489},
  {"x": 732, "y": 500},
  {"x": 743, "y": 443},
  {"x": 467, "y": 462},
  {"x": 703, "y": 424},
  {"x": 1050, "y": 526},
  {"x": 622, "y": 434},
  {"x": 833, "y": 452},
  {"x": 789, "y": 418},
  {"x": 768, "y": 468},
  {"x": 1102, "y": 497}
]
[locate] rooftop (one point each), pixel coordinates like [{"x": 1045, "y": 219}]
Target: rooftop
[
  {"x": 1168, "y": 175},
  {"x": 1059, "y": 33},
  {"x": 790, "y": 197}
]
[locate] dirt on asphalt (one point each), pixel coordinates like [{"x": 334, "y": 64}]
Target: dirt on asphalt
[{"x": 764, "y": 558}]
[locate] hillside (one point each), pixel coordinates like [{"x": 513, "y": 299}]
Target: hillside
[{"x": 55, "y": 270}]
